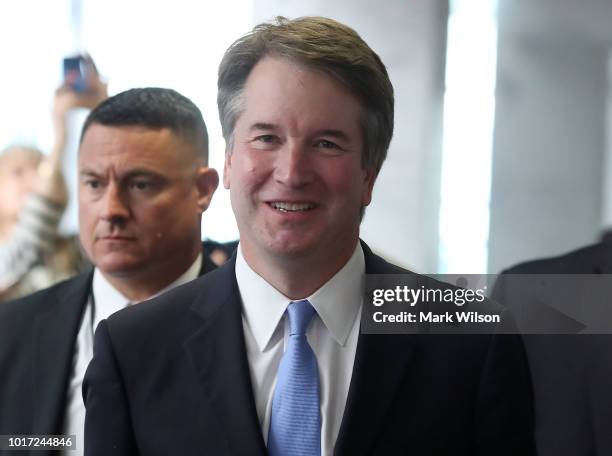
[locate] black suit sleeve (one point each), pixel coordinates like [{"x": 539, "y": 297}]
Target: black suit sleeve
[{"x": 108, "y": 428}]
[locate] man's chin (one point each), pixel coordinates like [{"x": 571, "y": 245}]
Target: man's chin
[
  {"x": 120, "y": 267},
  {"x": 292, "y": 248},
  {"x": 310, "y": 245}
]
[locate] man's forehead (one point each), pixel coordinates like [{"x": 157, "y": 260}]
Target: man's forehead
[
  {"x": 281, "y": 94},
  {"x": 274, "y": 73},
  {"x": 133, "y": 144},
  {"x": 105, "y": 135}
]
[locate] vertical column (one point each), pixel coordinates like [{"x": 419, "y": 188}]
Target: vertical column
[{"x": 606, "y": 197}]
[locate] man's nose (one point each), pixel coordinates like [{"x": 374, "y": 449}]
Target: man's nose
[
  {"x": 114, "y": 207},
  {"x": 294, "y": 165}
]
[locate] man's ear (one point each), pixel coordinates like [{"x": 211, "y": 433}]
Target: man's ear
[
  {"x": 370, "y": 176},
  {"x": 226, "y": 168},
  {"x": 207, "y": 182}
]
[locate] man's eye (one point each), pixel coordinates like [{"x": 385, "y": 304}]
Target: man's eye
[
  {"x": 93, "y": 184},
  {"x": 141, "y": 185},
  {"x": 324, "y": 143},
  {"x": 266, "y": 138}
]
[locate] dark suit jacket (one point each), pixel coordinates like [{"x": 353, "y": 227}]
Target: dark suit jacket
[
  {"x": 172, "y": 377},
  {"x": 571, "y": 373},
  {"x": 37, "y": 337}
]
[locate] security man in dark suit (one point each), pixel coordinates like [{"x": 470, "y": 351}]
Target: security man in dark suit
[
  {"x": 265, "y": 354},
  {"x": 143, "y": 186}
]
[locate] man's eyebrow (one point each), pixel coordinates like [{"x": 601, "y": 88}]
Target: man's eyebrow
[
  {"x": 88, "y": 173},
  {"x": 334, "y": 134},
  {"x": 258, "y": 126},
  {"x": 132, "y": 173},
  {"x": 141, "y": 172}
]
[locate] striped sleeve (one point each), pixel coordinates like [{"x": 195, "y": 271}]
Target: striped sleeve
[{"x": 32, "y": 237}]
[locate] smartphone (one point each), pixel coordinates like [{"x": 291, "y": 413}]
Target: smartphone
[{"x": 74, "y": 73}]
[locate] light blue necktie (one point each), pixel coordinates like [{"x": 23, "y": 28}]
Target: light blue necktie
[{"x": 295, "y": 424}]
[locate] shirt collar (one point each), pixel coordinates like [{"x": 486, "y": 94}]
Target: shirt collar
[
  {"x": 337, "y": 302},
  {"x": 110, "y": 300}
]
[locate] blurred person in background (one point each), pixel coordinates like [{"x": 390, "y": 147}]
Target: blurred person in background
[
  {"x": 33, "y": 197},
  {"x": 220, "y": 252}
]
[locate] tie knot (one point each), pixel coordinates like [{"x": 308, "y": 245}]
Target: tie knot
[{"x": 300, "y": 315}]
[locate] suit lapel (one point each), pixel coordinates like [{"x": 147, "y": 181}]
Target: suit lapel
[
  {"x": 380, "y": 366},
  {"x": 54, "y": 335},
  {"x": 381, "y": 362},
  {"x": 217, "y": 352}
]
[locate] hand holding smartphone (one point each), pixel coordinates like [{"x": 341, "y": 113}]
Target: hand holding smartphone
[{"x": 82, "y": 88}]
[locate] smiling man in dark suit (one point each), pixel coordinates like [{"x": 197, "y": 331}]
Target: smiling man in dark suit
[
  {"x": 265, "y": 354},
  {"x": 143, "y": 186}
]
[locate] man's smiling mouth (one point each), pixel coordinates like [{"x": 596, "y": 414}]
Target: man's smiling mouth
[{"x": 291, "y": 207}]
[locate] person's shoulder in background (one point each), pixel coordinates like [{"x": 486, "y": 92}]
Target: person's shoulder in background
[{"x": 592, "y": 259}]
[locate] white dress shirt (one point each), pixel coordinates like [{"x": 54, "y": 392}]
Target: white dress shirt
[
  {"x": 108, "y": 300},
  {"x": 332, "y": 335}
]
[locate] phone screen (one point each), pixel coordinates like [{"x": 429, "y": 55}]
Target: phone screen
[{"x": 74, "y": 73}]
